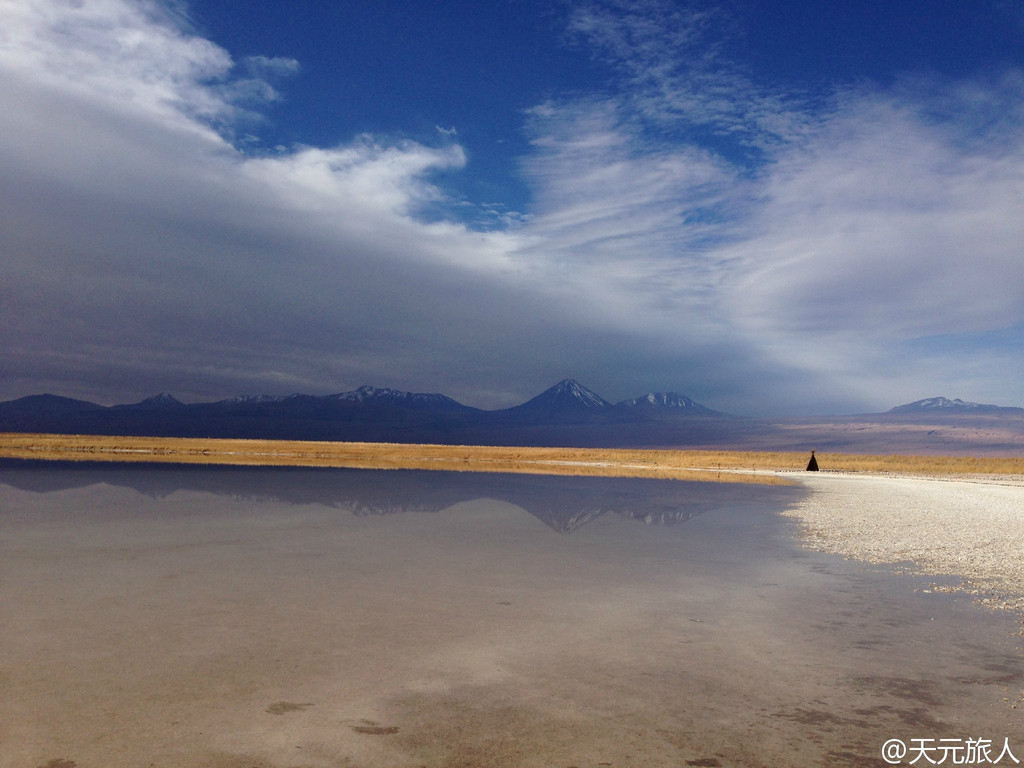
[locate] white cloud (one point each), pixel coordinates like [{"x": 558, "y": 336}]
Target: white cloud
[
  {"x": 626, "y": 221},
  {"x": 139, "y": 244},
  {"x": 882, "y": 228},
  {"x": 278, "y": 66},
  {"x": 129, "y": 55},
  {"x": 894, "y": 215},
  {"x": 674, "y": 71},
  {"x": 142, "y": 249},
  {"x": 872, "y": 226}
]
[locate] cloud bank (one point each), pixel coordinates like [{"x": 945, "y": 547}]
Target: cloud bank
[{"x": 690, "y": 229}]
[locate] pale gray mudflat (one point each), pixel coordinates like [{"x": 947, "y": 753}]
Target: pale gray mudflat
[{"x": 269, "y": 618}]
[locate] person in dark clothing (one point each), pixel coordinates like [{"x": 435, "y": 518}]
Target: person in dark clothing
[{"x": 812, "y": 465}]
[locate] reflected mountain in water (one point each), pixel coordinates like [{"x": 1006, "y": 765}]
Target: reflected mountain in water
[{"x": 564, "y": 503}]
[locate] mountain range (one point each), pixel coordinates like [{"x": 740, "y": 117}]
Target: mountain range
[{"x": 566, "y": 414}]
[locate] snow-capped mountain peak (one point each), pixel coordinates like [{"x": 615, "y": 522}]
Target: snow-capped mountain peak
[
  {"x": 156, "y": 402},
  {"x": 667, "y": 402},
  {"x": 938, "y": 404},
  {"x": 366, "y": 392},
  {"x": 255, "y": 399},
  {"x": 386, "y": 396},
  {"x": 571, "y": 393},
  {"x": 566, "y": 400},
  {"x": 661, "y": 400}
]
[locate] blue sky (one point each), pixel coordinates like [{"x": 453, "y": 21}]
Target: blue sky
[{"x": 776, "y": 208}]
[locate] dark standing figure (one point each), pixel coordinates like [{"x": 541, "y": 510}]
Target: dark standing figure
[{"x": 812, "y": 465}]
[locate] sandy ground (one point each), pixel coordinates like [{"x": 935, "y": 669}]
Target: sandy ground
[{"x": 972, "y": 529}]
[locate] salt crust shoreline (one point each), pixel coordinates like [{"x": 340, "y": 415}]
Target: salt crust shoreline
[{"x": 971, "y": 528}]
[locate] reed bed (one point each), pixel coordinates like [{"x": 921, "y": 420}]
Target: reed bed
[{"x": 724, "y": 466}]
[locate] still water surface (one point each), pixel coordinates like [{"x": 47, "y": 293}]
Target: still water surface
[{"x": 262, "y": 618}]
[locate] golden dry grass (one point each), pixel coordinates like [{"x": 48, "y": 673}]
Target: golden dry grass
[{"x": 724, "y": 466}]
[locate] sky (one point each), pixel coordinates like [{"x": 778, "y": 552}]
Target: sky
[{"x": 776, "y": 208}]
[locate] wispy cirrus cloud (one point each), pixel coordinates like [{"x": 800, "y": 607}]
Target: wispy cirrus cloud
[
  {"x": 626, "y": 218},
  {"x": 866, "y": 219},
  {"x": 675, "y": 75},
  {"x": 884, "y": 228},
  {"x": 886, "y": 225}
]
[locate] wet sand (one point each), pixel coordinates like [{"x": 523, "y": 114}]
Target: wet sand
[{"x": 182, "y": 627}]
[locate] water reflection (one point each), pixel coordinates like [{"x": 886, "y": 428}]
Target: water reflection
[
  {"x": 268, "y": 622},
  {"x": 564, "y": 503}
]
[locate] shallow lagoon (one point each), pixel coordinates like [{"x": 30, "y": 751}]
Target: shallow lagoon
[{"x": 244, "y": 618}]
